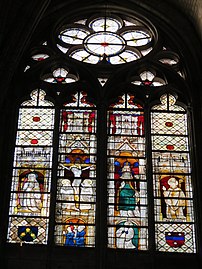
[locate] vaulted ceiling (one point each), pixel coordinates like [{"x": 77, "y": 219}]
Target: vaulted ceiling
[{"x": 193, "y": 9}]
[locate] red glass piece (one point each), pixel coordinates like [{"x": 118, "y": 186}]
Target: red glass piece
[
  {"x": 36, "y": 118},
  {"x": 170, "y": 147},
  {"x": 169, "y": 124},
  {"x": 40, "y": 59},
  {"x": 104, "y": 44},
  {"x": 34, "y": 141},
  {"x": 60, "y": 79},
  {"x": 147, "y": 82},
  {"x": 131, "y": 100}
]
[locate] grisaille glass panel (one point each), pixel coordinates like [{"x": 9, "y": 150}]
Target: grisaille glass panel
[
  {"x": 127, "y": 186},
  {"x": 30, "y": 189},
  {"x": 173, "y": 197},
  {"x": 75, "y": 206}
]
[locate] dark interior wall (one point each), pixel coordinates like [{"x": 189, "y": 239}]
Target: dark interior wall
[{"x": 20, "y": 22}]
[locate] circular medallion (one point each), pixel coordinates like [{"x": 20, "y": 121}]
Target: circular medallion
[{"x": 104, "y": 43}]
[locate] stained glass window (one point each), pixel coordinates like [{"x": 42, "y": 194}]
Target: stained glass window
[
  {"x": 173, "y": 194},
  {"x": 31, "y": 182},
  {"x": 144, "y": 129},
  {"x": 127, "y": 186},
  {"x": 76, "y": 196}
]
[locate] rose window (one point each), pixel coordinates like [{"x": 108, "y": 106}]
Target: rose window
[{"x": 110, "y": 39}]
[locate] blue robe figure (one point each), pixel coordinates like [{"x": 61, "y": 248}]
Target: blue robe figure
[
  {"x": 69, "y": 241},
  {"x": 79, "y": 239}
]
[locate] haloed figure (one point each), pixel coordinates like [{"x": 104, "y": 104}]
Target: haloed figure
[
  {"x": 67, "y": 194},
  {"x": 128, "y": 195},
  {"x": 32, "y": 197},
  {"x": 86, "y": 195},
  {"x": 174, "y": 199},
  {"x": 125, "y": 236}
]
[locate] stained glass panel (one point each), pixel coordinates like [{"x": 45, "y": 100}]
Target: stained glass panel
[
  {"x": 30, "y": 189},
  {"x": 104, "y": 44},
  {"x": 127, "y": 186},
  {"x": 73, "y": 36},
  {"x": 173, "y": 197},
  {"x": 105, "y": 24},
  {"x": 60, "y": 76},
  {"x": 84, "y": 56},
  {"x": 149, "y": 78},
  {"x": 136, "y": 38},
  {"x": 76, "y": 184},
  {"x": 124, "y": 57},
  {"x": 40, "y": 57}
]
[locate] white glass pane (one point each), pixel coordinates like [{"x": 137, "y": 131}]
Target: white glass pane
[
  {"x": 73, "y": 36},
  {"x": 104, "y": 43},
  {"x": 124, "y": 57},
  {"x": 40, "y": 57},
  {"x": 105, "y": 24},
  {"x": 136, "y": 38}
]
